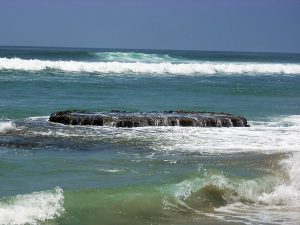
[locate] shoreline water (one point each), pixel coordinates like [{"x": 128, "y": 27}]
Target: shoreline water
[{"x": 61, "y": 174}]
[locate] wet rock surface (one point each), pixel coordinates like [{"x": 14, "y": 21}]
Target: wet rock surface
[{"x": 141, "y": 119}]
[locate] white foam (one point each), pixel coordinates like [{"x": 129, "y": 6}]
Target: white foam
[
  {"x": 32, "y": 208},
  {"x": 201, "y": 68},
  {"x": 114, "y": 170},
  {"x": 287, "y": 193},
  {"x": 38, "y": 118},
  {"x": 257, "y": 214},
  {"x": 272, "y": 205},
  {"x": 265, "y": 138},
  {"x": 281, "y": 121},
  {"x": 134, "y": 57},
  {"x": 281, "y": 134},
  {"x": 267, "y": 199},
  {"x": 7, "y": 126}
]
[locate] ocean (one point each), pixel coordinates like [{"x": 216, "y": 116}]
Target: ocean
[{"x": 86, "y": 175}]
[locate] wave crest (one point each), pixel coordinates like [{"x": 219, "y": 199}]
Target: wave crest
[
  {"x": 237, "y": 199},
  {"x": 287, "y": 193},
  {"x": 201, "y": 68},
  {"x": 134, "y": 57},
  {"x": 32, "y": 208}
]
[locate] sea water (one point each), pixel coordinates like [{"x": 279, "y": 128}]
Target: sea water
[{"x": 57, "y": 174}]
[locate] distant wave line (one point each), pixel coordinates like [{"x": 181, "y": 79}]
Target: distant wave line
[
  {"x": 202, "y": 68},
  {"x": 135, "y": 57}
]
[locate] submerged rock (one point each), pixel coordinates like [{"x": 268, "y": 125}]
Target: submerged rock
[{"x": 142, "y": 119}]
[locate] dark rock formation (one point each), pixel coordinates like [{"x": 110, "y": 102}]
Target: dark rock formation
[{"x": 141, "y": 119}]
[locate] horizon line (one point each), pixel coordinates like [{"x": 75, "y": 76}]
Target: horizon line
[{"x": 142, "y": 49}]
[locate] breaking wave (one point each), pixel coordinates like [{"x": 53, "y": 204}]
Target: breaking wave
[
  {"x": 134, "y": 57},
  {"x": 32, "y": 208},
  {"x": 287, "y": 193},
  {"x": 201, "y": 68},
  {"x": 267, "y": 190},
  {"x": 7, "y": 126},
  {"x": 239, "y": 199}
]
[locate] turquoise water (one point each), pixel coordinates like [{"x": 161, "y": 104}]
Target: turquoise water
[{"x": 56, "y": 174}]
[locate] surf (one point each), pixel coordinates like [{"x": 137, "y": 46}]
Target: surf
[
  {"x": 6, "y": 126},
  {"x": 32, "y": 208},
  {"x": 199, "y": 68}
]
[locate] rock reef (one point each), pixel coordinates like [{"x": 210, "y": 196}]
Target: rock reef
[{"x": 142, "y": 119}]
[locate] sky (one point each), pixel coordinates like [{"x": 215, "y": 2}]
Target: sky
[{"x": 210, "y": 25}]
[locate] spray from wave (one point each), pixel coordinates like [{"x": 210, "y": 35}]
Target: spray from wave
[
  {"x": 7, "y": 126},
  {"x": 287, "y": 194},
  {"x": 273, "y": 206},
  {"x": 265, "y": 199},
  {"x": 201, "y": 68},
  {"x": 32, "y": 208}
]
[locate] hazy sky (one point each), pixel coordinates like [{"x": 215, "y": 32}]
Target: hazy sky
[{"x": 230, "y": 25}]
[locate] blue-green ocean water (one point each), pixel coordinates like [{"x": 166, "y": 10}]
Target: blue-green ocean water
[{"x": 57, "y": 174}]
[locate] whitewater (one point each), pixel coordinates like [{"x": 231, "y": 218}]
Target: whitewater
[
  {"x": 72, "y": 175},
  {"x": 201, "y": 68},
  {"x": 271, "y": 194}
]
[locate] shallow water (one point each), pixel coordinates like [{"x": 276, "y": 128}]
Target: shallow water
[{"x": 56, "y": 174}]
